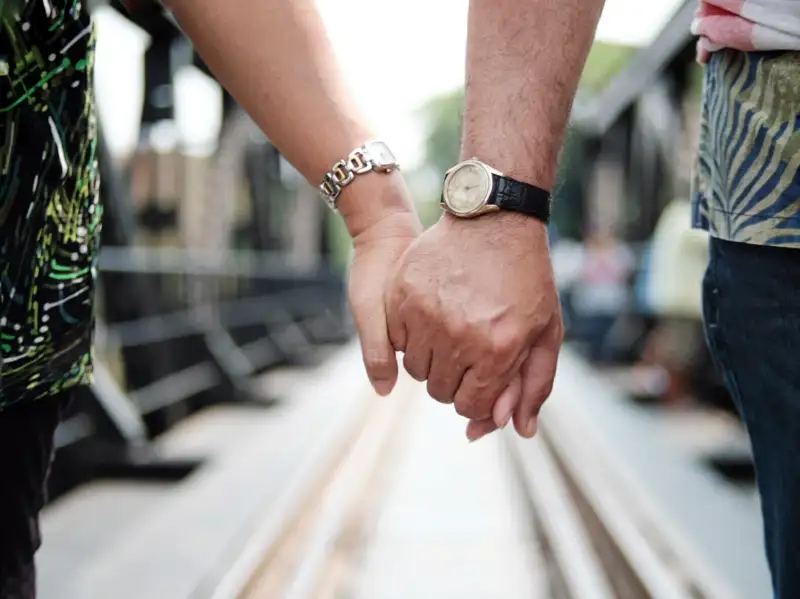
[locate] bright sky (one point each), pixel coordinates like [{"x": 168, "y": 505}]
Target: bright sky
[{"x": 396, "y": 54}]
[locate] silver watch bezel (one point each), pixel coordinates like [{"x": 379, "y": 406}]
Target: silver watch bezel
[{"x": 484, "y": 205}]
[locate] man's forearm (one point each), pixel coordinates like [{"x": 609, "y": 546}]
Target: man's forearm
[
  {"x": 275, "y": 58},
  {"x": 524, "y": 61}
]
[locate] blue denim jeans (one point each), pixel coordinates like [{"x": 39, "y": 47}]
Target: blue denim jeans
[{"x": 751, "y": 306}]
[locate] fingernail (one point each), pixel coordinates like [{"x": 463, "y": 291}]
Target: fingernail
[
  {"x": 382, "y": 388},
  {"x": 533, "y": 425},
  {"x": 503, "y": 410}
]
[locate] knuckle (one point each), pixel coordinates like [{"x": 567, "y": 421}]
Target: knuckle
[
  {"x": 418, "y": 308},
  {"x": 408, "y": 278},
  {"x": 482, "y": 414},
  {"x": 559, "y": 331},
  {"x": 377, "y": 362},
  {"x": 360, "y": 306},
  {"x": 413, "y": 368},
  {"x": 463, "y": 409},
  {"x": 429, "y": 308},
  {"x": 397, "y": 339},
  {"x": 416, "y": 374},
  {"x": 504, "y": 346},
  {"x": 404, "y": 308},
  {"x": 456, "y": 328},
  {"x": 437, "y": 392},
  {"x": 472, "y": 408},
  {"x": 408, "y": 296}
]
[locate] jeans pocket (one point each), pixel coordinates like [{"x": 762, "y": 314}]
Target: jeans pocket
[
  {"x": 714, "y": 332},
  {"x": 711, "y": 317}
]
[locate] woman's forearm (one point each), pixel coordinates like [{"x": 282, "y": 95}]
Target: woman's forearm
[{"x": 275, "y": 58}]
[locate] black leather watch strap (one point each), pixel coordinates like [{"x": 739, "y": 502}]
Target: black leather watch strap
[{"x": 510, "y": 194}]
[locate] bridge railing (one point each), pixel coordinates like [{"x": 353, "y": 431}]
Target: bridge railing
[{"x": 203, "y": 285}]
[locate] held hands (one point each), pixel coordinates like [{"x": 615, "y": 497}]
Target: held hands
[{"x": 472, "y": 304}]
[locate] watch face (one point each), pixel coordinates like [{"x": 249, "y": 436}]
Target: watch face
[
  {"x": 467, "y": 188},
  {"x": 380, "y": 154}
]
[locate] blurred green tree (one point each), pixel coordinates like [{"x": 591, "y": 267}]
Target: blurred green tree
[
  {"x": 442, "y": 115},
  {"x": 604, "y": 62}
]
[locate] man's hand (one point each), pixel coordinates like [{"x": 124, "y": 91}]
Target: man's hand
[
  {"x": 379, "y": 240},
  {"x": 524, "y": 61},
  {"x": 470, "y": 304}
]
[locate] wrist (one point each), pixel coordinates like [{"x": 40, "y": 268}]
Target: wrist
[
  {"x": 539, "y": 169},
  {"x": 377, "y": 198},
  {"x": 500, "y": 227}
]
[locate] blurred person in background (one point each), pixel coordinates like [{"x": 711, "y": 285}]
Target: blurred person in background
[
  {"x": 566, "y": 256},
  {"x": 601, "y": 292},
  {"x": 677, "y": 263}
]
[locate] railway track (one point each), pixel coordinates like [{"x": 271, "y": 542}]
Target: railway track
[
  {"x": 586, "y": 537},
  {"x": 315, "y": 557}
]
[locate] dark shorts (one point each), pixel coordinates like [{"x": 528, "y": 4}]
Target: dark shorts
[{"x": 26, "y": 451}]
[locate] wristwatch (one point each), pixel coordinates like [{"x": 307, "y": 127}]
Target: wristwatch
[
  {"x": 372, "y": 156},
  {"x": 472, "y": 188}
]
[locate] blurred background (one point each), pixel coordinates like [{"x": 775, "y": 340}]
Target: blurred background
[{"x": 231, "y": 447}]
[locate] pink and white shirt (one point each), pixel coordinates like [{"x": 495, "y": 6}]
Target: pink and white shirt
[{"x": 746, "y": 25}]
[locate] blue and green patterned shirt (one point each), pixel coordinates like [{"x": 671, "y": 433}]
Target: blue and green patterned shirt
[
  {"x": 49, "y": 210},
  {"x": 747, "y": 179}
]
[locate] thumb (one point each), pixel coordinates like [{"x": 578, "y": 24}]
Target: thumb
[{"x": 379, "y": 356}]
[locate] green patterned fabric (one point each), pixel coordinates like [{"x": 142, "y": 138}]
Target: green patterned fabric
[
  {"x": 747, "y": 183},
  {"x": 49, "y": 210}
]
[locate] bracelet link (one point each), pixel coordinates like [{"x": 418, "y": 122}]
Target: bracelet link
[
  {"x": 330, "y": 190},
  {"x": 358, "y": 163},
  {"x": 342, "y": 174}
]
